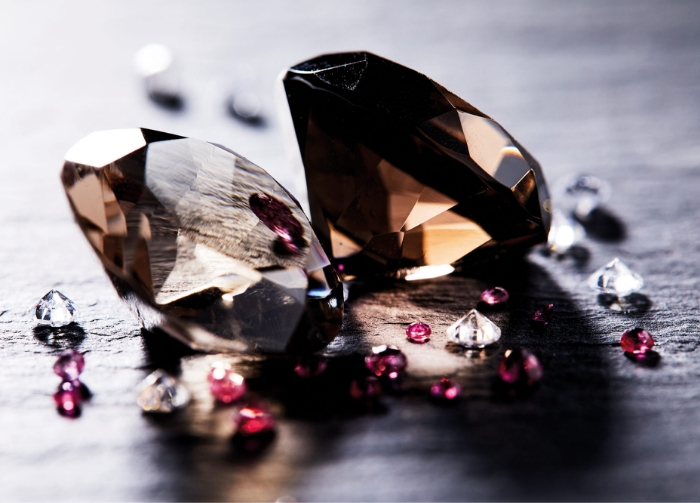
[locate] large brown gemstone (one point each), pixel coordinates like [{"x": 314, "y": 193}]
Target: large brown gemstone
[
  {"x": 401, "y": 173},
  {"x": 182, "y": 232}
]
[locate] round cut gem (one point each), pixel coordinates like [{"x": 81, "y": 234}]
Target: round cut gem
[
  {"x": 386, "y": 361},
  {"x": 581, "y": 194},
  {"x": 68, "y": 399},
  {"x": 445, "y": 389},
  {"x": 542, "y": 317},
  {"x": 310, "y": 366},
  {"x": 254, "y": 420},
  {"x": 161, "y": 393},
  {"x": 69, "y": 365},
  {"x": 494, "y": 296},
  {"x": 615, "y": 278},
  {"x": 368, "y": 389},
  {"x": 54, "y": 309},
  {"x": 519, "y": 366},
  {"x": 418, "y": 332},
  {"x": 474, "y": 330},
  {"x": 636, "y": 340},
  {"x": 226, "y": 385}
]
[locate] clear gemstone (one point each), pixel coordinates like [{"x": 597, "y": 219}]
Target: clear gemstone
[
  {"x": 418, "y": 332},
  {"x": 474, "y": 330},
  {"x": 445, "y": 389},
  {"x": 494, "y": 296},
  {"x": 310, "y": 366},
  {"x": 367, "y": 389},
  {"x": 246, "y": 106},
  {"x": 542, "y": 317},
  {"x": 581, "y": 194},
  {"x": 636, "y": 340},
  {"x": 254, "y": 420},
  {"x": 519, "y": 366},
  {"x": 69, "y": 365},
  {"x": 386, "y": 361},
  {"x": 68, "y": 398},
  {"x": 226, "y": 385},
  {"x": 564, "y": 233},
  {"x": 161, "y": 393},
  {"x": 615, "y": 278},
  {"x": 54, "y": 309}
]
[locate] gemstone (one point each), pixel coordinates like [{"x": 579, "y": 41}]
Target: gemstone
[
  {"x": 636, "y": 340},
  {"x": 494, "y": 296},
  {"x": 418, "y": 332},
  {"x": 54, "y": 309},
  {"x": 615, "y": 278},
  {"x": 542, "y": 317},
  {"x": 445, "y": 389},
  {"x": 154, "y": 62},
  {"x": 581, "y": 194},
  {"x": 161, "y": 393},
  {"x": 367, "y": 389},
  {"x": 179, "y": 226},
  {"x": 69, "y": 365},
  {"x": 386, "y": 361},
  {"x": 68, "y": 399},
  {"x": 519, "y": 366},
  {"x": 254, "y": 420},
  {"x": 245, "y": 106},
  {"x": 564, "y": 233},
  {"x": 226, "y": 385},
  {"x": 474, "y": 330},
  {"x": 401, "y": 173},
  {"x": 310, "y": 366}
]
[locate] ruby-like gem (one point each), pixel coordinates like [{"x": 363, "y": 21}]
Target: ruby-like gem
[
  {"x": 310, "y": 366},
  {"x": 279, "y": 219},
  {"x": 226, "y": 385},
  {"x": 636, "y": 340},
  {"x": 70, "y": 365},
  {"x": 494, "y": 296},
  {"x": 445, "y": 389},
  {"x": 386, "y": 361},
  {"x": 254, "y": 420},
  {"x": 542, "y": 317},
  {"x": 519, "y": 366},
  {"x": 68, "y": 399},
  {"x": 418, "y": 332}
]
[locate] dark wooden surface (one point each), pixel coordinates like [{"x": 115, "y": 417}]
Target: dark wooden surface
[{"x": 606, "y": 88}]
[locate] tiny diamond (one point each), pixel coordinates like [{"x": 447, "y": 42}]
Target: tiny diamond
[
  {"x": 161, "y": 393},
  {"x": 542, "y": 317},
  {"x": 445, "y": 389},
  {"x": 636, "y": 340},
  {"x": 474, "y": 330},
  {"x": 386, "y": 361},
  {"x": 54, "y": 309},
  {"x": 494, "y": 296},
  {"x": 418, "y": 332},
  {"x": 68, "y": 398},
  {"x": 581, "y": 194},
  {"x": 310, "y": 366},
  {"x": 564, "y": 233},
  {"x": 368, "y": 389},
  {"x": 615, "y": 278},
  {"x": 519, "y": 366},
  {"x": 254, "y": 420},
  {"x": 70, "y": 365},
  {"x": 225, "y": 385}
]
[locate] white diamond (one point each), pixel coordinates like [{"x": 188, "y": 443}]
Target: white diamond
[
  {"x": 54, "y": 309},
  {"x": 161, "y": 393},
  {"x": 564, "y": 233},
  {"x": 474, "y": 330},
  {"x": 581, "y": 194},
  {"x": 615, "y": 278}
]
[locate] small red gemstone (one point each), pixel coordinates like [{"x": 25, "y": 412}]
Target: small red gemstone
[
  {"x": 519, "y": 366},
  {"x": 418, "y": 332},
  {"x": 310, "y": 366},
  {"x": 494, "y": 296},
  {"x": 368, "y": 389},
  {"x": 254, "y": 420},
  {"x": 70, "y": 365},
  {"x": 279, "y": 219},
  {"x": 543, "y": 317},
  {"x": 636, "y": 340},
  {"x": 445, "y": 389},
  {"x": 386, "y": 361},
  {"x": 68, "y": 399},
  {"x": 226, "y": 386}
]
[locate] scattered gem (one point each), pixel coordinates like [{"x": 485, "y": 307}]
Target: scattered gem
[
  {"x": 161, "y": 393},
  {"x": 279, "y": 219},
  {"x": 254, "y": 420},
  {"x": 54, "y": 309},
  {"x": 542, "y": 317},
  {"x": 615, "y": 278},
  {"x": 519, "y": 366},
  {"x": 564, "y": 233},
  {"x": 418, "y": 332},
  {"x": 68, "y": 399},
  {"x": 226, "y": 385},
  {"x": 636, "y": 340},
  {"x": 154, "y": 63},
  {"x": 386, "y": 361},
  {"x": 474, "y": 330},
  {"x": 495, "y": 296},
  {"x": 367, "y": 389},
  {"x": 245, "y": 106},
  {"x": 69, "y": 365},
  {"x": 310, "y": 366},
  {"x": 445, "y": 389},
  {"x": 581, "y": 194}
]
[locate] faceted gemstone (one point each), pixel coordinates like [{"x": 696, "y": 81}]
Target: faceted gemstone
[
  {"x": 402, "y": 173},
  {"x": 615, "y": 278},
  {"x": 386, "y": 361},
  {"x": 474, "y": 330},
  {"x": 202, "y": 243},
  {"x": 418, "y": 332},
  {"x": 519, "y": 366},
  {"x": 542, "y": 317},
  {"x": 445, "y": 389},
  {"x": 367, "y": 389},
  {"x": 68, "y": 399},
  {"x": 54, "y": 309},
  {"x": 581, "y": 194},
  {"x": 70, "y": 365},
  {"x": 310, "y": 366},
  {"x": 161, "y": 393},
  {"x": 564, "y": 233},
  {"x": 226, "y": 385},
  {"x": 494, "y": 296},
  {"x": 636, "y": 340},
  {"x": 254, "y": 420}
]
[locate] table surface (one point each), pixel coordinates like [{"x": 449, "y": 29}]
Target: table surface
[{"x": 611, "y": 89}]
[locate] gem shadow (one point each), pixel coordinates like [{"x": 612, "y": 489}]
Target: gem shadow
[
  {"x": 602, "y": 225},
  {"x": 68, "y": 337}
]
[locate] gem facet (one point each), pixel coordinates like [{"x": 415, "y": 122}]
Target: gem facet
[
  {"x": 54, "y": 309},
  {"x": 519, "y": 366},
  {"x": 161, "y": 393},
  {"x": 615, "y": 278},
  {"x": 542, "y": 317},
  {"x": 418, "y": 332},
  {"x": 636, "y": 340},
  {"x": 69, "y": 365},
  {"x": 226, "y": 385},
  {"x": 254, "y": 420},
  {"x": 402, "y": 173},
  {"x": 368, "y": 389},
  {"x": 68, "y": 399},
  {"x": 310, "y": 366},
  {"x": 494, "y": 296},
  {"x": 386, "y": 361},
  {"x": 474, "y": 330},
  {"x": 445, "y": 389},
  {"x": 203, "y": 243},
  {"x": 564, "y": 233}
]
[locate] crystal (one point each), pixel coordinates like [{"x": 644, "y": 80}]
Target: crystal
[
  {"x": 418, "y": 332},
  {"x": 154, "y": 62},
  {"x": 254, "y": 420},
  {"x": 68, "y": 399},
  {"x": 386, "y": 361},
  {"x": 615, "y": 278},
  {"x": 520, "y": 366},
  {"x": 474, "y": 330},
  {"x": 564, "y": 233},
  {"x": 494, "y": 296},
  {"x": 161, "y": 393},
  {"x": 54, "y": 309},
  {"x": 367, "y": 389},
  {"x": 402, "y": 173},
  {"x": 542, "y": 317},
  {"x": 226, "y": 385},
  {"x": 310, "y": 366},
  {"x": 175, "y": 223},
  {"x": 245, "y": 106},
  {"x": 445, "y": 389},
  {"x": 636, "y": 340},
  {"x": 581, "y": 194},
  {"x": 69, "y": 365}
]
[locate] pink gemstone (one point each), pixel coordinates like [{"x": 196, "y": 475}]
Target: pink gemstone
[
  {"x": 445, "y": 389},
  {"x": 254, "y": 420},
  {"x": 70, "y": 365},
  {"x": 519, "y": 366},
  {"x": 368, "y": 389},
  {"x": 68, "y": 398},
  {"x": 494, "y": 296},
  {"x": 636, "y": 340},
  {"x": 279, "y": 219},
  {"x": 418, "y": 332},
  {"x": 542, "y": 317},
  {"x": 225, "y": 385},
  {"x": 310, "y": 366},
  {"x": 386, "y": 361}
]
